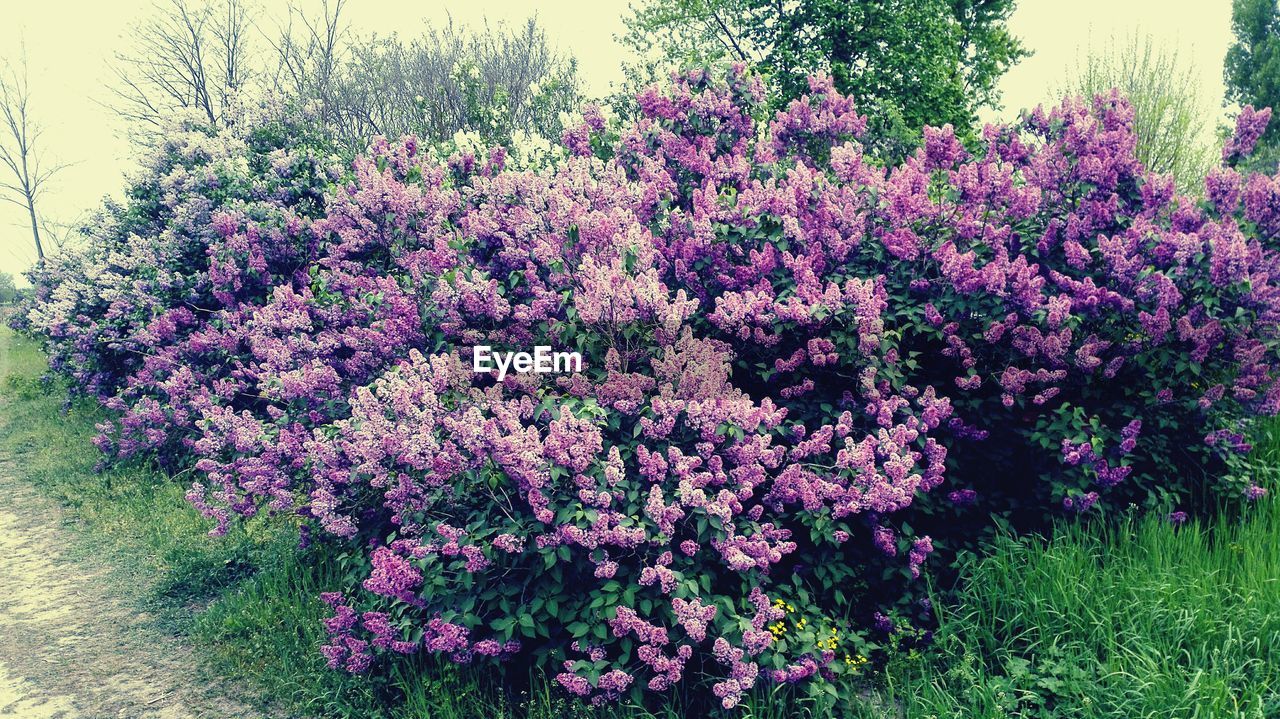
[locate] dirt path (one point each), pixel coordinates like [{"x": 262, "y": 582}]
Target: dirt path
[{"x": 71, "y": 648}]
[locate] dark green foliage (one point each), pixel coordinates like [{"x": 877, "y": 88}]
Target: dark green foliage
[
  {"x": 1251, "y": 68},
  {"x": 907, "y": 63}
]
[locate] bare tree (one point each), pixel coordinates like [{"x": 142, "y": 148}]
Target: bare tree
[
  {"x": 20, "y": 150},
  {"x": 199, "y": 56},
  {"x": 310, "y": 52},
  {"x": 491, "y": 81},
  {"x": 190, "y": 55}
]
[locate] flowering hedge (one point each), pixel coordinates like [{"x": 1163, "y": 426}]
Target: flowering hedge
[
  {"x": 803, "y": 371},
  {"x": 213, "y": 220}
]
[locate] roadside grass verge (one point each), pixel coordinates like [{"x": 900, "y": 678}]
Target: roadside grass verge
[
  {"x": 1139, "y": 619},
  {"x": 135, "y": 511},
  {"x": 158, "y": 545}
]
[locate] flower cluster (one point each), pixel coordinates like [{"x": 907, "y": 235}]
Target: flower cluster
[{"x": 788, "y": 348}]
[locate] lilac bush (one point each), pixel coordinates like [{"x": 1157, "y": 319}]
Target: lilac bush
[
  {"x": 212, "y": 220},
  {"x": 804, "y": 373}
]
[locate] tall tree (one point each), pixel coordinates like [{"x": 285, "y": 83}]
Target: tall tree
[
  {"x": 28, "y": 169},
  {"x": 1251, "y": 69},
  {"x": 910, "y": 62}
]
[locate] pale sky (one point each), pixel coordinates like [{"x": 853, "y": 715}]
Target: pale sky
[{"x": 69, "y": 44}]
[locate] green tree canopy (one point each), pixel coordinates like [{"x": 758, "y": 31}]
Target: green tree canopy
[
  {"x": 907, "y": 63},
  {"x": 1252, "y": 66},
  {"x": 8, "y": 289}
]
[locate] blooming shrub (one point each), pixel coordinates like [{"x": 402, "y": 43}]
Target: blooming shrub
[
  {"x": 805, "y": 373},
  {"x": 213, "y": 220}
]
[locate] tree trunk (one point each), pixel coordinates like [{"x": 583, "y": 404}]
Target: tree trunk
[{"x": 35, "y": 230}]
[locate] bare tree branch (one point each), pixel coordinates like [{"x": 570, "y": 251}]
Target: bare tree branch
[
  {"x": 190, "y": 55},
  {"x": 20, "y": 147},
  {"x": 62, "y": 235}
]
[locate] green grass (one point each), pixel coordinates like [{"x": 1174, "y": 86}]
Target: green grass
[
  {"x": 247, "y": 598},
  {"x": 1132, "y": 621},
  {"x": 134, "y": 511},
  {"x": 1267, "y": 448},
  {"x": 1140, "y": 620}
]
